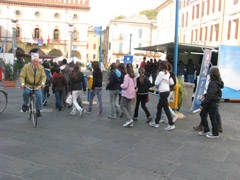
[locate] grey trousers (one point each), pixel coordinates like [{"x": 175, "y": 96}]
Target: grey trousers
[
  {"x": 115, "y": 108},
  {"x": 126, "y": 106}
]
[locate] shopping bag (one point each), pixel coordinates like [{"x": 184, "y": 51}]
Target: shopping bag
[{"x": 69, "y": 99}]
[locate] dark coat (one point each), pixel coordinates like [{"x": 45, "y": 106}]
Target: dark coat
[
  {"x": 59, "y": 82},
  {"x": 114, "y": 82},
  {"x": 143, "y": 88},
  {"x": 78, "y": 84},
  {"x": 97, "y": 78},
  {"x": 214, "y": 92}
]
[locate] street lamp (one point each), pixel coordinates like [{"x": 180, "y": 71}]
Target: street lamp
[{"x": 14, "y": 30}]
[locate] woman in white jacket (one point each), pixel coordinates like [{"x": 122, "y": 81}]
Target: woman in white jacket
[{"x": 163, "y": 81}]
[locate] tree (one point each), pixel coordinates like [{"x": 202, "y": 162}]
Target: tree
[
  {"x": 119, "y": 17},
  {"x": 151, "y": 14}
]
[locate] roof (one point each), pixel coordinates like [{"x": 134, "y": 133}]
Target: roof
[
  {"x": 189, "y": 48},
  {"x": 134, "y": 19}
]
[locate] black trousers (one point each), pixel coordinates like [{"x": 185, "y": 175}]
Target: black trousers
[
  {"x": 210, "y": 109},
  {"x": 143, "y": 100},
  {"x": 163, "y": 103}
]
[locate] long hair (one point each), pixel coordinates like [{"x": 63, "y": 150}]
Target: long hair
[
  {"x": 122, "y": 68},
  {"x": 75, "y": 72},
  {"x": 142, "y": 74},
  {"x": 215, "y": 74},
  {"x": 163, "y": 66},
  {"x": 113, "y": 66},
  {"x": 95, "y": 65},
  {"x": 130, "y": 70}
]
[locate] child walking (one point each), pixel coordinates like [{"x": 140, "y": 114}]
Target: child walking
[
  {"x": 210, "y": 104},
  {"x": 128, "y": 93}
]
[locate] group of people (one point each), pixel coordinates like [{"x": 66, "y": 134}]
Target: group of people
[{"x": 123, "y": 87}]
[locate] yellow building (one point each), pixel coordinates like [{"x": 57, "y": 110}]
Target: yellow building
[{"x": 93, "y": 43}]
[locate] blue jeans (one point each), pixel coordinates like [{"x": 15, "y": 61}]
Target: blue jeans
[
  {"x": 58, "y": 95},
  {"x": 38, "y": 95},
  {"x": 97, "y": 91},
  {"x": 190, "y": 78},
  {"x": 44, "y": 93}
]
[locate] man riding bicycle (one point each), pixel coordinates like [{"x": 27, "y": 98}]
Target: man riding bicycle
[{"x": 32, "y": 76}]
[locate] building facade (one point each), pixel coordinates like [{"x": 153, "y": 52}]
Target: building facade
[
  {"x": 93, "y": 43},
  {"x": 201, "y": 22},
  {"x": 60, "y": 24},
  {"x": 123, "y": 35}
]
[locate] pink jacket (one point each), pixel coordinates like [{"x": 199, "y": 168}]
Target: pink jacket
[{"x": 128, "y": 87}]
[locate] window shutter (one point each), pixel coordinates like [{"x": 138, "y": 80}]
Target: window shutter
[
  {"x": 183, "y": 20},
  {"x": 196, "y": 38},
  {"x": 236, "y": 33},
  {"x": 206, "y": 33},
  {"x": 192, "y": 37},
  {"x": 197, "y": 11},
  {"x": 202, "y": 9},
  {"x": 193, "y": 9},
  {"x": 217, "y": 31},
  {"x": 220, "y": 4},
  {"x": 187, "y": 19},
  {"x": 229, "y": 29},
  {"x": 208, "y": 7},
  {"x": 211, "y": 33},
  {"x": 201, "y": 34},
  {"x": 213, "y": 8}
]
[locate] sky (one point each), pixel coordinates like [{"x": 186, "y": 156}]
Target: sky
[{"x": 102, "y": 11}]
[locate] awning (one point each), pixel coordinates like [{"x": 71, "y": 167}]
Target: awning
[{"x": 182, "y": 48}]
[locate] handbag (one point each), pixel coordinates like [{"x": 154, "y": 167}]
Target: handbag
[{"x": 69, "y": 99}]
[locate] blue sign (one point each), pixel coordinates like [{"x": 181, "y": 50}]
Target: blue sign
[
  {"x": 4, "y": 41},
  {"x": 128, "y": 59},
  {"x": 202, "y": 80},
  {"x": 229, "y": 66},
  {"x": 97, "y": 30},
  {"x": 74, "y": 47},
  {"x": 39, "y": 42},
  {"x": 15, "y": 46}
]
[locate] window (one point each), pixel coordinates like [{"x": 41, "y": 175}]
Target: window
[
  {"x": 18, "y": 12},
  {"x": 233, "y": 29},
  {"x": 216, "y": 30},
  {"x": 36, "y": 33},
  {"x": 75, "y": 16},
  {"x": 205, "y": 33},
  {"x": 205, "y": 9},
  {"x": 94, "y": 46},
  {"x": 109, "y": 46},
  {"x": 74, "y": 35},
  {"x": 87, "y": 45},
  {"x": 87, "y": 56},
  {"x": 56, "y": 15},
  {"x": 94, "y": 56},
  {"x": 140, "y": 45},
  {"x": 235, "y": 2},
  {"x": 120, "y": 47},
  {"x": 56, "y": 34},
  {"x": 18, "y": 32},
  {"x": 140, "y": 33}
]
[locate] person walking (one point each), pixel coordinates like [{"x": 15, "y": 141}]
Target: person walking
[
  {"x": 96, "y": 88},
  {"x": 48, "y": 83},
  {"x": 190, "y": 71},
  {"x": 114, "y": 87},
  {"x": 76, "y": 84},
  {"x": 128, "y": 93},
  {"x": 209, "y": 104},
  {"x": 143, "y": 85},
  {"x": 164, "y": 81},
  {"x": 66, "y": 73},
  {"x": 59, "y": 82}
]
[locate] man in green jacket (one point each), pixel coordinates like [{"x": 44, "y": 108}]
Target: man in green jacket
[{"x": 33, "y": 76}]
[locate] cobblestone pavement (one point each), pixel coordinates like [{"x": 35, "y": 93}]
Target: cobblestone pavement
[{"x": 65, "y": 147}]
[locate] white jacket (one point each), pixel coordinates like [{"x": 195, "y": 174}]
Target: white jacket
[{"x": 163, "y": 81}]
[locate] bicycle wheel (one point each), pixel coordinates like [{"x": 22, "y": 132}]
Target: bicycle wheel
[
  {"x": 3, "y": 101},
  {"x": 34, "y": 112},
  {"x": 30, "y": 109}
]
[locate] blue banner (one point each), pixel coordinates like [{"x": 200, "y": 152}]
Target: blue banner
[
  {"x": 202, "y": 81},
  {"x": 39, "y": 42},
  {"x": 229, "y": 66},
  {"x": 4, "y": 41},
  {"x": 97, "y": 30},
  {"x": 128, "y": 59}
]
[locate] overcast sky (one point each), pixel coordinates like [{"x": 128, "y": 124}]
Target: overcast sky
[{"x": 102, "y": 11}]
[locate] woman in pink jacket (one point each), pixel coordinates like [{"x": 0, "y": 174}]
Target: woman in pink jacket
[{"x": 128, "y": 93}]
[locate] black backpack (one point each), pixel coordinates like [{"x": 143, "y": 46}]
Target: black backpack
[{"x": 172, "y": 75}]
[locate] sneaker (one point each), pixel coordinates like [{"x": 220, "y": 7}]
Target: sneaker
[
  {"x": 86, "y": 111},
  {"x": 163, "y": 121},
  {"x": 110, "y": 117},
  {"x": 128, "y": 123},
  {"x": 81, "y": 112},
  {"x": 39, "y": 114},
  {"x": 135, "y": 118},
  {"x": 45, "y": 103},
  {"x": 153, "y": 124},
  {"x": 24, "y": 108},
  {"x": 72, "y": 113},
  {"x": 100, "y": 114},
  {"x": 174, "y": 118},
  {"x": 202, "y": 133},
  {"x": 170, "y": 127},
  {"x": 210, "y": 135},
  {"x": 149, "y": 119}
]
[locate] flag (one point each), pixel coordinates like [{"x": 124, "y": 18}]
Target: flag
[
  {"x": 41, "y": 39},
  {"x": 48, "y": 39}
]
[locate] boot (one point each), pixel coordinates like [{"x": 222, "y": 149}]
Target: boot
[
  {"x": 199, "y": 127},
  {"x": 219, "y": 123}
]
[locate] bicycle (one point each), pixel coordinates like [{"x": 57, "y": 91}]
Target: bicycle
[
  {"x": 33, "y": 107},
  {"x": 3, "y": 100}
]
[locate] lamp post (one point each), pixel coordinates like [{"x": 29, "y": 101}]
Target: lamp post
[
  {"x": 70, "y": 24},
  {"x": 14, "y": 29}
]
